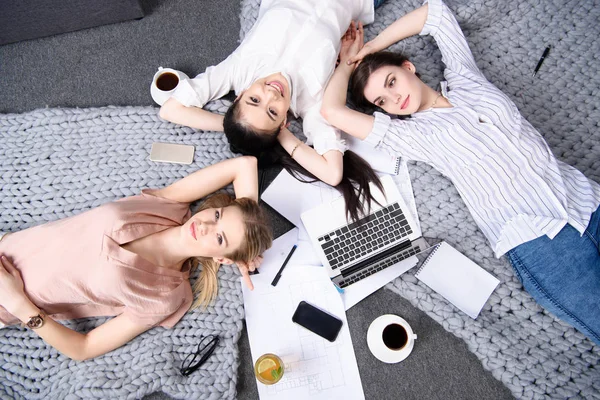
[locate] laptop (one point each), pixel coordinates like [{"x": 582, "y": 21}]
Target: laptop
[{"x": 355, "y": 250}]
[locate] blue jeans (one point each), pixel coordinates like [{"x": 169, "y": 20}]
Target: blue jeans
[
  {"x": 563, "y": 275},
  {"x": 378, "y": 3}
]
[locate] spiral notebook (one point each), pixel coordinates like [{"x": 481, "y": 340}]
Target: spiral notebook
[{"x": 461, "y": 281}]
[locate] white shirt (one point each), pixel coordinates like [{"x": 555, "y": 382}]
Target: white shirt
[
  {"x": 503, "y": 169},
  {"x": 300, "y": 38}
]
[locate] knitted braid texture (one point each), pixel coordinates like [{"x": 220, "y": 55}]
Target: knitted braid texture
[
  {"x": 535, "y": 355},
  {"x": 55, "y": 163}
]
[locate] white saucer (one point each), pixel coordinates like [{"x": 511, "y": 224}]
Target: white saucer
[
  {"x": 375, "y": 339},
  {"x": 160, "y": 96}
]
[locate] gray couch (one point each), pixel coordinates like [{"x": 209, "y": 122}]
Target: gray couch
[{"x": 30, "y": 19}]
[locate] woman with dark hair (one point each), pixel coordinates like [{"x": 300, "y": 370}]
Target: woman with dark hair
[
  {"x": 131, "y": 259},
  {"x": 282, "y": 66},
  {"x": 542, "y": 213}
]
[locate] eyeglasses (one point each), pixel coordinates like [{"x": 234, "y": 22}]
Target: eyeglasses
[{"x": 194, "y": 360}]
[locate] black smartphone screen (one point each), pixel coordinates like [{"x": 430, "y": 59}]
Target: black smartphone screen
[{"x": 317, "y": 321}]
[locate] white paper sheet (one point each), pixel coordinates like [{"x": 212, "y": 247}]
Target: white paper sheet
[
  {"x": 291, "y": 198},
  {"x": 314, "y": 367},
  {"x": 308, "y": 255}
]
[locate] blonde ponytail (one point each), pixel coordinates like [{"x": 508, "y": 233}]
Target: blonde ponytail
[{"x": 206, "y": 286}]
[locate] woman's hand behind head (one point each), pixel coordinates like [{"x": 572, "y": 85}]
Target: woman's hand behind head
[
  {"x": 367, "y": 49},
  {"x": 247, "y": 267},
  {"x": 352, "y": 42}
]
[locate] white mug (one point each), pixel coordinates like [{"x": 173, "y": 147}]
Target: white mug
[
  {"x": 390, "y": 338},
  {"x": 165, "y": 81}
]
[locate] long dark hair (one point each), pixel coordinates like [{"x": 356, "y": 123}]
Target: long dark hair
[
  {"x": 370, "y": 64},
  {"x": 357, "y": 174},
  {"x": 242, "y": 138}
]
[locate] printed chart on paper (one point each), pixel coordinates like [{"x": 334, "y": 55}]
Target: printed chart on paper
[{"x": 314, "y": 366}]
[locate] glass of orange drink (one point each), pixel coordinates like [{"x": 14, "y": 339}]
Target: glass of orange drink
[{"x": 268, "y": 369}]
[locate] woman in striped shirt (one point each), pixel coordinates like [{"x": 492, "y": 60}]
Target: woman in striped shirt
[{"x": 539, "y": 211}]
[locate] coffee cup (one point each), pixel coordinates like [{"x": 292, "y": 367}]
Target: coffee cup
[
  {"x": 165, "y": 81},
  {"x": 390, "y": 338}
]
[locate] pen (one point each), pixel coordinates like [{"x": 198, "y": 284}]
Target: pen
[
  {"x": 276, "y": 279},
  {"x": 539, "y": 64}
]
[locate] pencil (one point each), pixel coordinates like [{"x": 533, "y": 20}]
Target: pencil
[{"x": 276, "y": 279}]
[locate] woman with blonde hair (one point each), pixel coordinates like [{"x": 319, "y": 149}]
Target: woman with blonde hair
[{"x": 132, "y": 259}]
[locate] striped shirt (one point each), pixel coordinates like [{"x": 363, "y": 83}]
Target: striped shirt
[{"x": 503, "y": 169}]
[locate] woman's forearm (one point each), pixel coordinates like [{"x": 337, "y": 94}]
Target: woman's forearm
[
  {"x": 241, "y": 171},
  {"x": 406, "y": 26},
  {"x": 82, "y": 346},
  {"x": 328, "y": 167},
  {"x": 68, "y": 342},
  {"x": 334, "y": 108},
  {"x": 334, "y": 98},
  {"x": 245, "y": 182},
  {"x": 193, "y": 117}
]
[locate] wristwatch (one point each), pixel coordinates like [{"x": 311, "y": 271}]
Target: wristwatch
[{"x": 35, "y": 322}]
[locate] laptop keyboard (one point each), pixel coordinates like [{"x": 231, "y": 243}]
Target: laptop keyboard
[
  {"x": 365, "y": 236},
  {"x": 342, "y": 281}
]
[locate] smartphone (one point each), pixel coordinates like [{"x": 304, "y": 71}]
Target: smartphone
[
  {"x": 173, "y": 153},
  {"x": 317, "y": 321}
]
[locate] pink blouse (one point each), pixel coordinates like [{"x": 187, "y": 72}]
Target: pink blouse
[{"x": 76, "y": 267}]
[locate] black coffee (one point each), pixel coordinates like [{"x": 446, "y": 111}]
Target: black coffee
[
  {"x": 167, "y": 81},
  {"x": 394, "y": 336}
]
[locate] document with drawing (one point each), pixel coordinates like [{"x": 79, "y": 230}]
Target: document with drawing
[{"x": 314, "y": 367}]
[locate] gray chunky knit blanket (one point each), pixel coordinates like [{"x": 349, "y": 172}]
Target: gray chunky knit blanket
[
  {"x": 55, "y": 163},
  {"x": 531, "y": 352}
]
